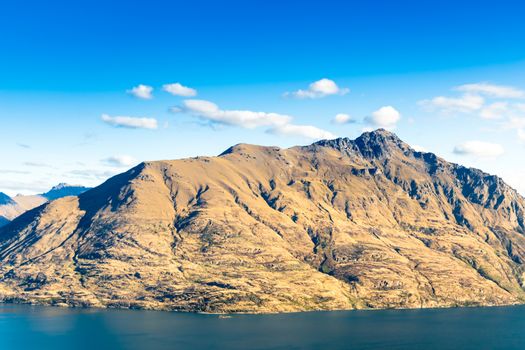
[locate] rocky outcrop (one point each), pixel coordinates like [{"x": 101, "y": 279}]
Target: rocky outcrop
[{"x": 340, "y": 224}]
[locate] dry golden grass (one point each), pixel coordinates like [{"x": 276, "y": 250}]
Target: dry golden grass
[{"x": 339, "y": 224}]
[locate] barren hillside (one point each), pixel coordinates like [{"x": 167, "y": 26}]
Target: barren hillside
[{"x": 340, "y": 224}]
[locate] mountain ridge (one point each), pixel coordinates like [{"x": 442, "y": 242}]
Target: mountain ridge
[
  {"x": 5, "y": 199},
  {"x": 63, "y": 190},
  {"x": 12, "y": 207},
  {"x": 339, "y": 224}
]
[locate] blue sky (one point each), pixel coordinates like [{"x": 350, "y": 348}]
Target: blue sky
[{"x": 446, "y": 76}]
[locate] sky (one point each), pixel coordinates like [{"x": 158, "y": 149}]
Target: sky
[{"x": 90, "y": 88}]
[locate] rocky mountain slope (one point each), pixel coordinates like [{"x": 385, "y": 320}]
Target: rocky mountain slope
[
  {"x": 11, "y": 208},
  {"x": 339, "y": 224}
]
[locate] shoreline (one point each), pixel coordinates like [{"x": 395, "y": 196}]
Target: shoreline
[{"x": 167, "y": 310}]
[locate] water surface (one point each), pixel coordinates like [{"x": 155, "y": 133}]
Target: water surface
[{"x": 46, "y": 328}]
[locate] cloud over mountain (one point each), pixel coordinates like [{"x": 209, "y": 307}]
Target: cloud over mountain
[
  {"x": 279, "y": 124},
  {"x": 479, "y": 149},
  {"x": 307, "y": 131},
  {"x": 385, "y": 117},
  {"x": 120, "y": 161},
  {"x": 343, "y": 118},
  {"x": 244, "y": 118}
]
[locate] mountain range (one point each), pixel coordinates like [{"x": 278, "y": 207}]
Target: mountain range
[
  {"x": 339, "y": 224},
  {"x": 11, "y": 208}
]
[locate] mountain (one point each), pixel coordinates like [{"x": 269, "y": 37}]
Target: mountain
[
  {"x": 339, "y": 224},
  {"x": 64, "y": 190},
  {"x": 6, "y": 202},
  {"x": 11, "y": 208},
  {"x": 5, "y": 199}
]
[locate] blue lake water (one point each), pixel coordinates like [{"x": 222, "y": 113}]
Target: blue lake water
[{"x": 43, "y": 328}]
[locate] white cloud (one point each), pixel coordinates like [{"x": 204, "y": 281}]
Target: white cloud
[
  {"x": 130, "y": 122},
  {"x": 385, "y": 117},
  {"x": 494, "y": 111},
  {"x": 484, "y": 101},
  {"x": 307, "y": 131},
  {"x": 515, "y": 178},
  {"x": 418, "y": 148},
  {"x": 177, "y": 89},
  {"x": 120, "y": 161},
  {"x": 37, "y": 164},
  {"x": 247, "y": 119},
  {"x": 12, "y": 171},
  {"x": 520, "y": 107},
  {"x": 277, "y": 123},
  {"x": 496, "y": 91},
  {"x": 12, "y": 188},
  {"x": 465, "y": 104},
  {"x": 516, "y": 122},
  {"x": 343, "y": 118},
  {"x": 479, "y": 99},
  {"x": 479, "y": 149},
  {"x": 93, "y": 174},
  {"x": 318, "y": 89},
  {"x": 141, "y": 91},
  {"x": 521, "y": 135}
]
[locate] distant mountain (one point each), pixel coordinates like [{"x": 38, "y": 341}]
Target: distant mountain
[
  {"x": 5, "y": 199},
  {"x": 64, "y": 190},
  {"x": 339, "y": 224},
  {"x": 11, "y": 208}
]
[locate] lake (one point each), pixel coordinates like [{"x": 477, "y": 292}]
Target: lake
[{"x": 43, "y": 328}]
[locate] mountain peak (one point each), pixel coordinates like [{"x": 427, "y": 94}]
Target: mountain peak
[
  {"x": 63, "y": 190},
  {"x": 246, "y": 148},
  {"x": 382, "y": 132},
  {"x": 63, "y": 185},
  {"x": 380, "y": 137},
  {"x": 371, "y": 144},
  {"x": 375, "y": 144}
]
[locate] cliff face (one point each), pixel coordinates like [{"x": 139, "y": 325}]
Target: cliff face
[{"x": 339, "y": 224}]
